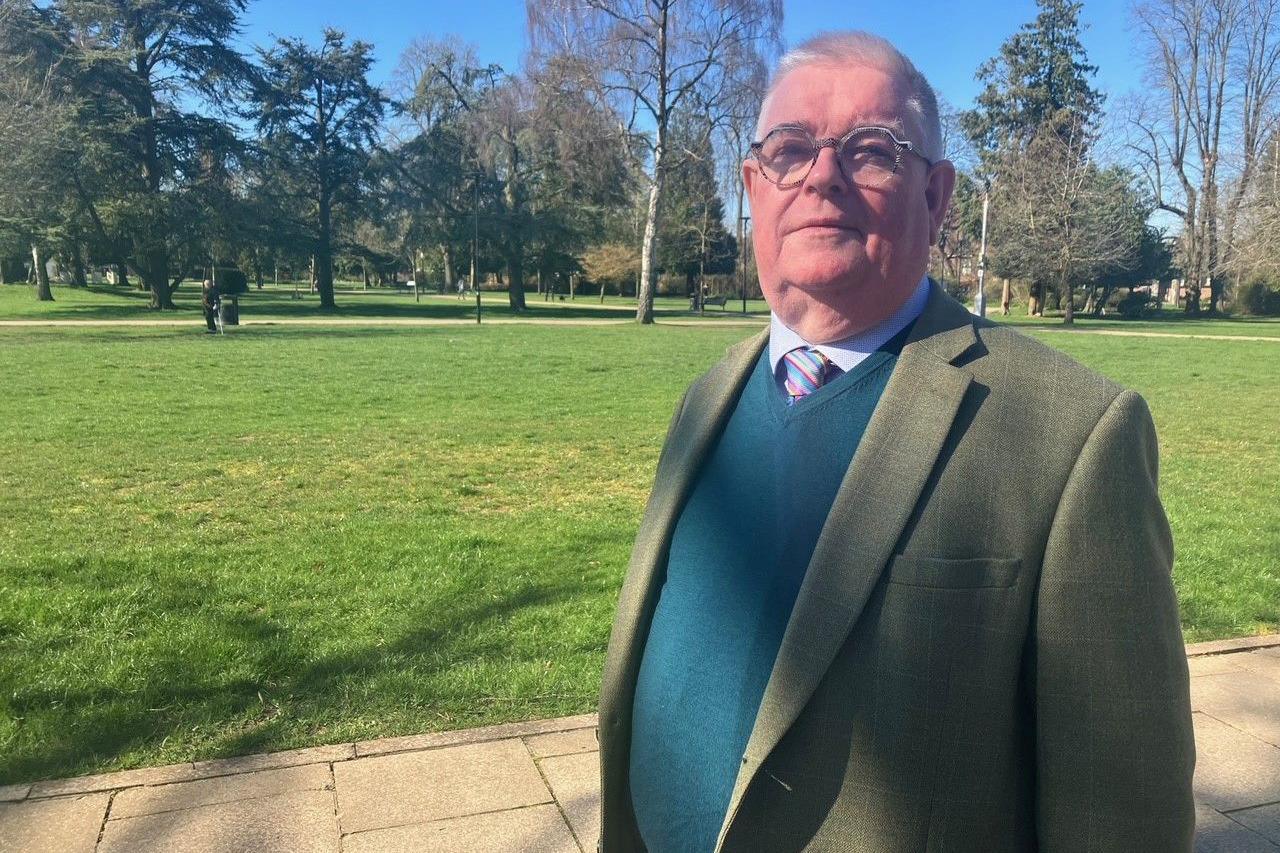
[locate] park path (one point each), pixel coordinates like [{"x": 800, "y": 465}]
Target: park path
[
  {"x": 1136, "y": 334},
  {"x": 534, "y": 786},
  {"x": 394, "y": 321},
  {"x": 709, "y": 320}
]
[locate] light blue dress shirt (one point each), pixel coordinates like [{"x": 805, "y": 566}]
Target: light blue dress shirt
[{"x": 850, "y": 352}]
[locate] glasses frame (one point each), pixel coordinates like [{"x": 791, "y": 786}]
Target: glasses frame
[{"x": 837, "y": 145}]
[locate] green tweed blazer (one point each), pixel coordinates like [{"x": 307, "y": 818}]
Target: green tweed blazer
[{"x": 985, "y": 654}]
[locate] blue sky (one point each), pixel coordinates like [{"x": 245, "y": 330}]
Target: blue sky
[{"x": 946, "y": 40}]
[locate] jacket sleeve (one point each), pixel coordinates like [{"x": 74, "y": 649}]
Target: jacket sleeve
[{"x": 1114, "y": 745}]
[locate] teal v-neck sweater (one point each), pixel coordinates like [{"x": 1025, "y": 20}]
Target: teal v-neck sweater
[{"x": 738, "y": 555}]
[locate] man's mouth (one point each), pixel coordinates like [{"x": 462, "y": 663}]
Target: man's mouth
[{"x": 831, "y": 225}]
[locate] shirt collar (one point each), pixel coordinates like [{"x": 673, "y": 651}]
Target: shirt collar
[{"x": 848, "y": 353}]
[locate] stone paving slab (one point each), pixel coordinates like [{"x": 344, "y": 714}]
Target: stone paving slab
[
  {"x": 133, "y": 802},
  {"x": 435, "y": 740},
  {"x": 1213, "y": 665},
  {"x": 1233, "y": 769},
  {"x": 62, "y": 825},
  {"x": 575, "y": 781},
  {"x": 275, "y": 760},
  {"x": 1243, "y": 700},
  {"x": 1237, "y": 644},
  {"x": 1265, "y": 663},
  {"x": 301, "y": 822},
  {"x": 10, "y": 793},
  {"x": 563, "y": 743},
  {"x": 1264, "y": 820},
  {"x": 110, "y": 781},
  {"x": 394, "y": 790},
  {"x": 1217, "y": 833},
  {"x": 536, "y": 829}
]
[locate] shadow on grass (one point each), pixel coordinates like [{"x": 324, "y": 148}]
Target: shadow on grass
[{"x": 92, "y": 727}]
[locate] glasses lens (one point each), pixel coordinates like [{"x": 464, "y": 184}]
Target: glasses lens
[
  {"x": 785, "y": 155},
  {"x": 870, "y": 158}
]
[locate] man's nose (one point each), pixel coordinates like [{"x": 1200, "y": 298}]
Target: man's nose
[{"x": 825, "y": 175}]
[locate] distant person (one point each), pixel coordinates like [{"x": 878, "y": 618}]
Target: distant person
[
  {"x": 209, "y": 299},
  {"x": 462, "y": 288},
  {"x": 852, "y": 621}
]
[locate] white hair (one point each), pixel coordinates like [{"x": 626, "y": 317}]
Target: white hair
[{"x": 861, "y": 49}]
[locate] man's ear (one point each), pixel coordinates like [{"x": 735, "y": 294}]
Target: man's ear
[
  {"x": 750, "y": 173},
  {"x": 937, "y": 194}
]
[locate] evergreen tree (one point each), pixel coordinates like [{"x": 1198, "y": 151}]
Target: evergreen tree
[
  {"x": 1040, "y": 77},
  {"x": 144, "y": 69},
  {"x": 692, "y": 237},
  {"x": 319, "y": 116}
]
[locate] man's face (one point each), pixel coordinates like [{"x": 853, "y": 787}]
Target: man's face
[{"x": 835, "y": 258}]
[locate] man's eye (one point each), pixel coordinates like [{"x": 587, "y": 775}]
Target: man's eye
[
  {"x": 789, "y": 149},
  {"x": 870, "y": 155}
]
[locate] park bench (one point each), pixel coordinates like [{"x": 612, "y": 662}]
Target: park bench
[{"x": 720, "y": 300}]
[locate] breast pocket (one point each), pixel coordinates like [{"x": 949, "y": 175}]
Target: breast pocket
[{"x": 948, "y": 573}]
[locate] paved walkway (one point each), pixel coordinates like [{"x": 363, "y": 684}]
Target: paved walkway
[
  {"x": 198, "y": 325},
  {"x": 534, "y": 786},
  {"x": 707, "y": 320}
]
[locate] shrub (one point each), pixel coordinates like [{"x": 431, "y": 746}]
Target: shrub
[
  {"x": 1258, "y": 298},
  {"x": 1135, "y": 305}
]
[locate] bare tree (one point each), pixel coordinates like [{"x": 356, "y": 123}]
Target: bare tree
[
  {"x": 1062, "y": 220},
  {"x": 1256, "y": 252},
  {"x": 652, "y": 57},
  {"x": 1214, "y": 75},
  {"x": 733, "y": 136}
]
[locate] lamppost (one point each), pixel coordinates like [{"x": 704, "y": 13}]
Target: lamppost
[
  {"x": 980, "y": 303},
  {"x": 742, "y": 252},
  {"x": 475, "y": 243}
]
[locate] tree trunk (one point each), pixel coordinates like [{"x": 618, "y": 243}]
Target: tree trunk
[
  {"x": 446, "y": 253},
  {"x": 515, "y": 238},
  {"x": 43, "y": 293},
  {"x": 644, "y": 288},
  {"x": 1035, "y": 307},
  {"x": 1004, "y": 297},
  {"x": 1192, "y": 307},
  {"x": 324, "y": 255},
  {"x": 515, "y": 278},
  {"x": 1068, "y": 301},
  {"x": 77, "y": 266},
  {"x": 155, "y": 275},
  {"x": 364, "y": 271},
  {"x": 1100, "y": 304}
]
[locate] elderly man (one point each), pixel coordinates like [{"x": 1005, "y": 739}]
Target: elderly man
[{"x": 903, "y": 582}]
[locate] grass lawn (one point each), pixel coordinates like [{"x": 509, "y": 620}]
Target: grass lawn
[
  {"x": 18, "y": 302},
  {"x": 291, "y": 536},
  {"x": 1165, "y": 321}
]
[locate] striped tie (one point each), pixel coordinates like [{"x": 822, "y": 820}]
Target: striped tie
[{"x": 806, "y": 371}]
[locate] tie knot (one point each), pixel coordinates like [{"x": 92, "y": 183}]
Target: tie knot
[{"x": 806, "y": 371}]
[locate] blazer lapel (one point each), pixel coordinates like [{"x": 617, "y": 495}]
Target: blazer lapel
[
  {"x": 875, "y": 500},
  {"x": 708, "y": 406}
]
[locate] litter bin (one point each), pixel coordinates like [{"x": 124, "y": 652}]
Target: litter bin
[{"x": 229, "y": 309}]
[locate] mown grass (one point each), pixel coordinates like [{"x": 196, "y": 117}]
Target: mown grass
[
  {"x": 289, "y": 536},
  {"x": 1165, "y": 321}
]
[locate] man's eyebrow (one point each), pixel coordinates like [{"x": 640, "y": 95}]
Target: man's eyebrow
[{"x": 895, "y": 124}]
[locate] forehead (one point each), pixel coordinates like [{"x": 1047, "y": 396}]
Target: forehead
[{"x": 828, "y": 100}]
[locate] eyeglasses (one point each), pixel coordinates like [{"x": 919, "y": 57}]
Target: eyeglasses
[{"x": 869, "y": 156}]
